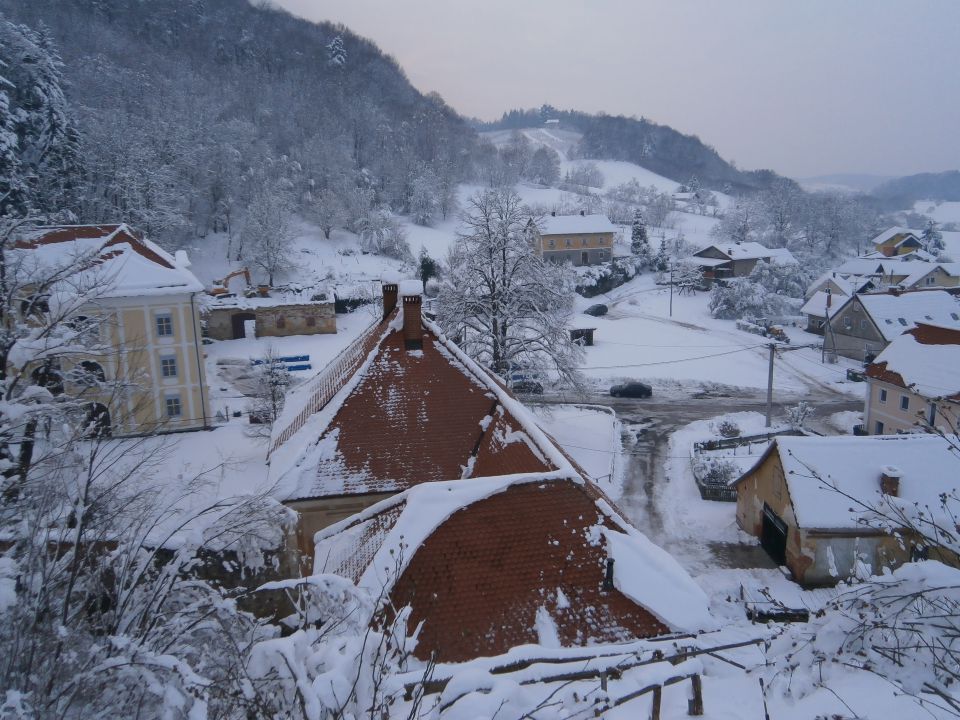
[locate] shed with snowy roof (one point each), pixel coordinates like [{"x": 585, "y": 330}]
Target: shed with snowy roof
[
  {"x": 818, "y": 504},
  {"x": 584, "y": 239}
]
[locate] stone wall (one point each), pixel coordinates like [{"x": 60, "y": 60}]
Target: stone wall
[{"x": 274, "y": 320}]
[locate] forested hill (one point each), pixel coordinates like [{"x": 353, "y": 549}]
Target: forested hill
[
  {"x": 656, "y": 147},
  {"x": 904, "y": 191},
  {"x": 186, "y": 107}
]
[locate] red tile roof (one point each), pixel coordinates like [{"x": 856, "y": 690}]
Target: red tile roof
[
  {"x": 479, "y": 579},
  {"x": 116, "y": 234},
  {"x": 416, "y": 416}
]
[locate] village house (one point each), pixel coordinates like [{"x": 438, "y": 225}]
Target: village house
[
  {"x": 897, "y": 241},
  {"x": 807, "y": 500},
  {"x": 578, "y": 239},
  {"x": 737, "y": 259},
  {"x": 146, "y": 313},
  {"x": 276, "y": 313},
  {"x": 914, "y": 384},
  {"x": 862, "y": 326}
]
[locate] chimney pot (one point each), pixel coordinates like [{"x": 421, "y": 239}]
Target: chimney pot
[
  {"x": 389, "y": 298},
  {"x": 890, "y": 480}
]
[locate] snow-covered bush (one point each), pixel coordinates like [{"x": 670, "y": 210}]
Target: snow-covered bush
[
  {"x": 797, "y": 415},
  {"x": 728, "y": 429},
  {"x": 716, "y": 471}
]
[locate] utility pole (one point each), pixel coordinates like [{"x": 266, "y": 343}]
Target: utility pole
[
  {"x": 772, "y": 347},
  {"x": 671, "y": 291}
]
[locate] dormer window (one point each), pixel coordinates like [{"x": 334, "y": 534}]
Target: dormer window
[{"x": 902, "y": 321}]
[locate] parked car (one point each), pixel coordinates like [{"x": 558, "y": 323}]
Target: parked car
[
  {"x": 631, "y": 389},
  {"x": 522, "y": 382},
  {"x": 596, "y": 310}
]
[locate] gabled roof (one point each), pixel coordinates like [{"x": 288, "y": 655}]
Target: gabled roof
[
  {"x": 925, "y": 359},
  {"x": 817, "y": 305},
  {"x": 895, "y": 234},
  {"x": 751, "y": 251},
  {"x": 922, "y": 270},
  {"x": 408, "y": 417},
  {"x": 114, "y": 256},
  {"x": 824, "y": 473},
  {"x": 494, "y": 563},
  {"x": 894, "y": 314},
  {"x": 575, "y": 224}
]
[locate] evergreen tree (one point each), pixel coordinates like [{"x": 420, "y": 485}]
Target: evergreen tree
[
  {"x": 639, "y": 242},
  {"x": 932, "y": 239},
  {"x": 336, "y": 53},
  {"x": 47, "y": 171},
  {"x": 662, "y": 261},
  {"x": 428, "y": 266}
]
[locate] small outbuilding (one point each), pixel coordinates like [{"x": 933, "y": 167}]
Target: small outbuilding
[{"x": 281, "y": 313}]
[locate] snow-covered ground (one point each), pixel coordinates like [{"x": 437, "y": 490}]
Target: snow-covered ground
[
  {"x": 590, "y": 435},
  {"x": 938, "y": 210},
  {"x": 640, "y": 339}
]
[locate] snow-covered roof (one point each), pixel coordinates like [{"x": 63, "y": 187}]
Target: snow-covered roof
[
  {"x": 752, "y": 251},
  {"x": 924, "y": 269},
  {"x": 406, "y": 417},
  {"x": 863, "y": 266},
  {"x": 817, "y": 305},
  {"x": 278, "y": 298},
  {"x": 824, "y": 473},
  {"x": 575, "y": 224},
  {"x": 893, "y": 232},
  {"x": 463, "y": 531},
  {"x": 893, "y": 314},
  {"x": 115, "y": 257},
  {"x": 926, "y": 359}
]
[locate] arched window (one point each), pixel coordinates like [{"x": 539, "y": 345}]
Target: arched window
[
  {"x": 89, "y": 373},
  {"x": 48, "y": 377}
]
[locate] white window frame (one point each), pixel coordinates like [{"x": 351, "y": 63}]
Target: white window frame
[
  {"x": 165, "y": 363},
  {"x": 168, "y": 401},
  {"x": 162, "y": 320}
]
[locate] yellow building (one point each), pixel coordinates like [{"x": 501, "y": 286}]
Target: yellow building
[
  {"x": 897, "y": 241},
  {"x": 143, "y": 371},
  {"x": 577, "y": 239}
]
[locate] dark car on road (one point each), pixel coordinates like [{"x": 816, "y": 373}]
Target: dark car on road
[
  {"x": 596, "y": 310},
  {"x": 631, "y": 390}
]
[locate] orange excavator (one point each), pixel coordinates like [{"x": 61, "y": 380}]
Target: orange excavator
[{"x": 222, "y": 287}]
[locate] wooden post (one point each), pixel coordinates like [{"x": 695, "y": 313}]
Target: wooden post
[
  {"x": 655, "y": 708},
  {"x": 695, "y": 705}
]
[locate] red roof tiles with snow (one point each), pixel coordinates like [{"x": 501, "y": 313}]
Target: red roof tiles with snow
[
  {"x": 479, "y": 580},
  {"x": 417, "y": 416}
]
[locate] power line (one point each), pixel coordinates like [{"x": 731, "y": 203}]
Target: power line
[{"x": 669, "y": 362}]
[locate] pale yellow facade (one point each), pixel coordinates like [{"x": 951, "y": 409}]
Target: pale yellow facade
[
  {"x": 937, "y": 277},
  {"x": 890, "y": 409},
  {"x": 579, "y": 249},
  {"x": 154, "y": 366}
]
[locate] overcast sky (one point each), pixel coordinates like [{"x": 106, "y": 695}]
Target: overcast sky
[{"x": 807, "y": 87}]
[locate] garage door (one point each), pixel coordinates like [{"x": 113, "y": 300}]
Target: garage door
[{"x": 773, "y": 536}]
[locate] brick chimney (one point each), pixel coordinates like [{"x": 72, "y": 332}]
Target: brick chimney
[
  {"x": 389, "y": 298},
  {"x": 890, "y": 480},
  {"x": 829, "y": 298},
  {"x": 411, "y": 294}
]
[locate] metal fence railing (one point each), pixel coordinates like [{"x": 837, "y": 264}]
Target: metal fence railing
[{"x": 327, "y": 383}]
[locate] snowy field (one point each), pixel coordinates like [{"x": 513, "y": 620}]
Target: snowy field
[{"x": 938, "y": 210}]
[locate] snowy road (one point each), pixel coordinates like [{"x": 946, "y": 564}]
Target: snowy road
[{"x": 647, "y": 427}]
